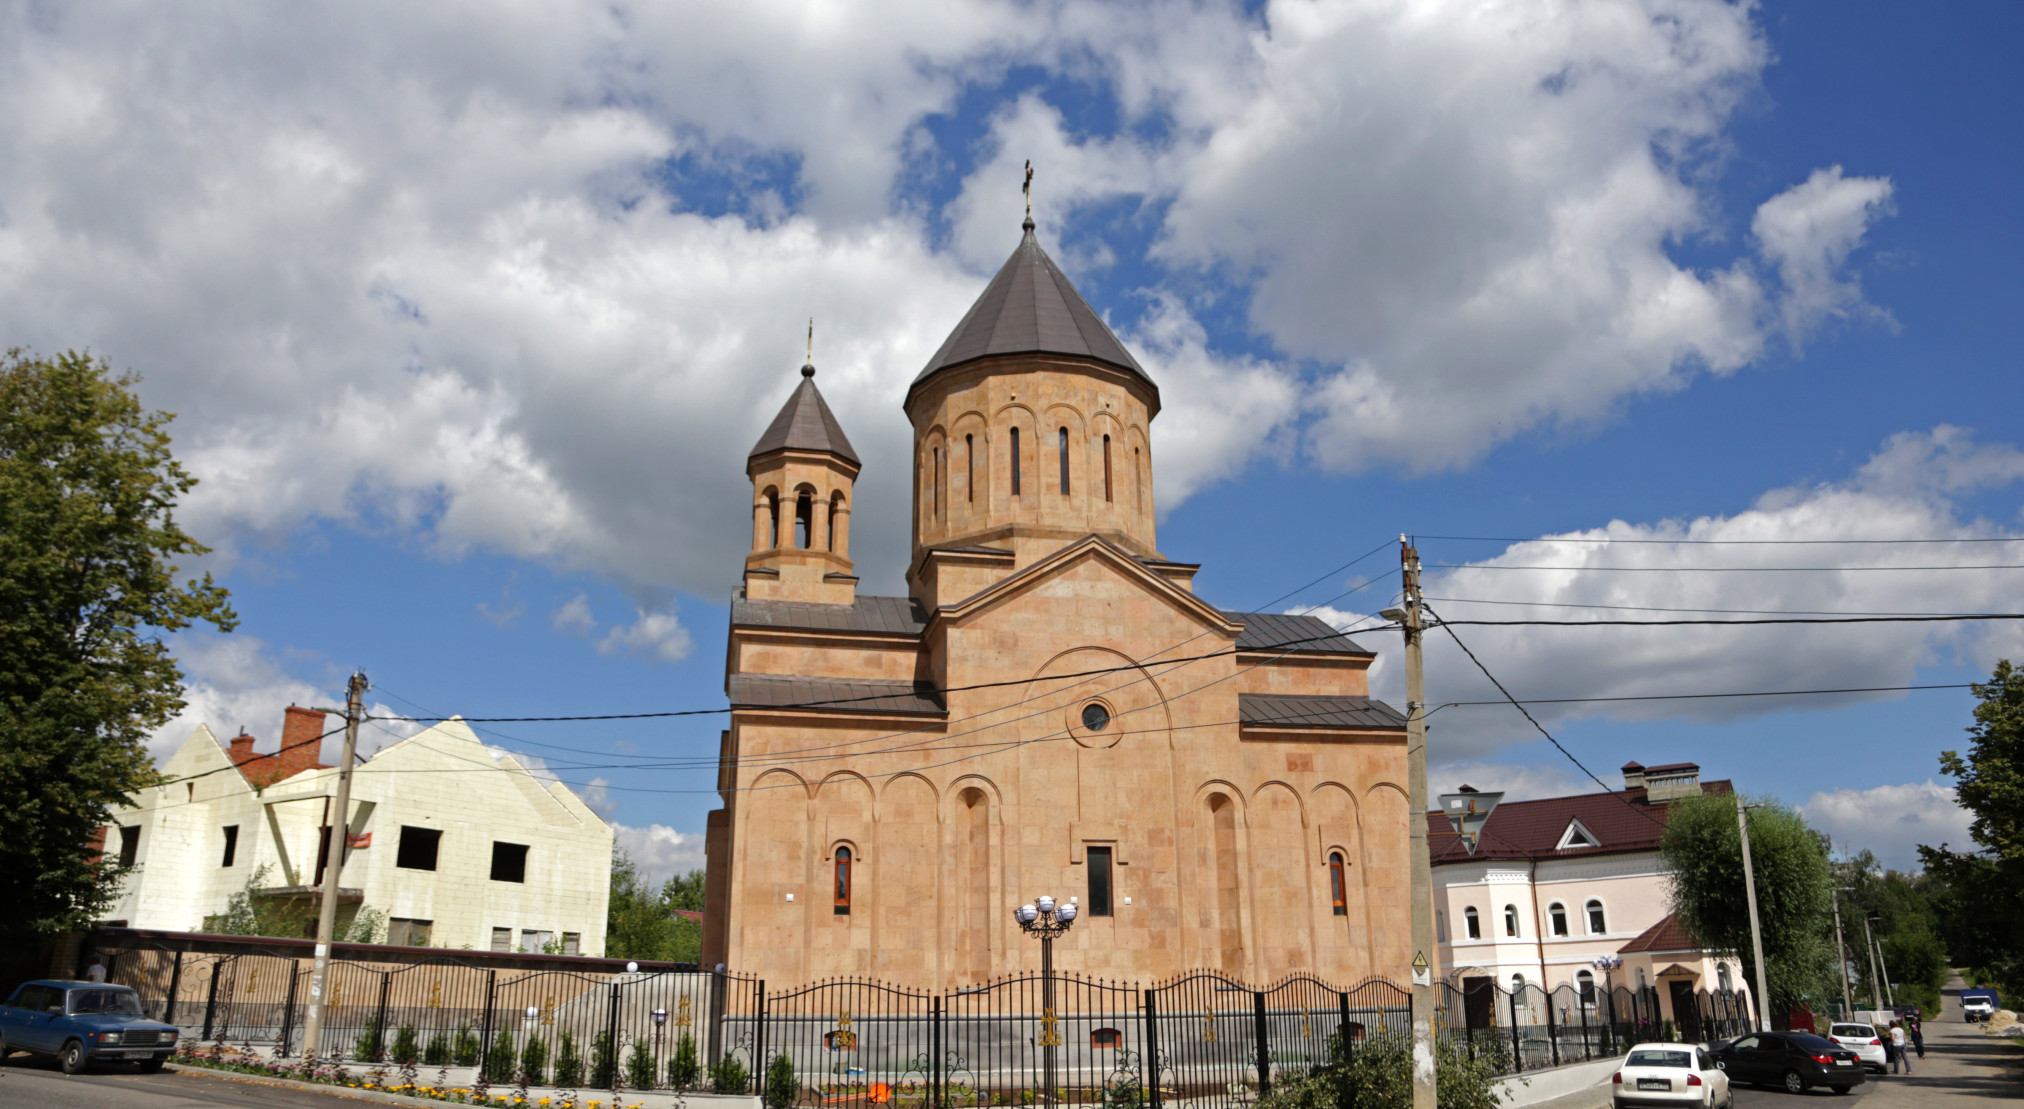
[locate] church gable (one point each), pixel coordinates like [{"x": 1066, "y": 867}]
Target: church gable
[{"x": 1091, "y": 551}]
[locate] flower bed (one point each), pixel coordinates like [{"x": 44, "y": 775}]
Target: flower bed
[{"x": 399, "y": 1080}]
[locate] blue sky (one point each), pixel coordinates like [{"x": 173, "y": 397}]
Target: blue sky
[{"x": 470, "y": 316}]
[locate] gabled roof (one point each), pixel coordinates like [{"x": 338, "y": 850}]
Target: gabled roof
[
  {"x": 1667, "y": 935},
  {"x": 1623, "y": 820},
  {"x": 1031, "y": 308},
  {"x": 805, "y": 424}
]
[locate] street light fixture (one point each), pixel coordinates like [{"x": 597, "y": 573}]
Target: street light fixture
[
  {"x": 1608, "y": 964},
  {"x": 1044, "y": 918}
]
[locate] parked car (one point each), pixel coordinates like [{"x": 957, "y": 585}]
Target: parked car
[
  {"x": 82, "y": 1023},
  {"x": 1794, "y": 1060},
  {"x": 1670, "y": 1075},
  {"x": 1979, "y": 1003},
  {"x": 1864, "y": 1040}
]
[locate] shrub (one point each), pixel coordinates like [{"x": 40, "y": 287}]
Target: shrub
[
  {"x": 568, "y": 1064},
  {"x": 728, "y": 1076},
  {"x": 499, "y": 1060},
  {"x": 370, "y": 1042},
  {"x": 406, "y": 1049},
  {"x": 1380, "y": 1077},
  {"x": 534, "y": 1060},
  {"x": 683, "y": 1067},
  {"x": 437, "y": 1054},
  {"x": 639, "y": 1066},
  {"x": 781, "y": 1085},
  {"x": 464, "y": 1051},
  {"x": 603, "y": 1062}
]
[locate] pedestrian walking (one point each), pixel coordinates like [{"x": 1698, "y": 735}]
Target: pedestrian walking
[
  {"x": 1897, "y": 1048},
  {"x": 96, "y": 971},
  {"x": 1919, "y": 1037}
]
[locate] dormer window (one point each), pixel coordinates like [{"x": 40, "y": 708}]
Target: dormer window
[{"x": 1577, "y": 835}]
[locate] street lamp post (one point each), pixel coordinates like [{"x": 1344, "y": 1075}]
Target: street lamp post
[
  {"x": 660, "y": 1018},
  {"x": 1608, "y": 964},
  {"x": 1044, "y": 918}
]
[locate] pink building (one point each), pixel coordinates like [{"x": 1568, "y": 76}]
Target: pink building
[{"x": 1558, "y": 883}]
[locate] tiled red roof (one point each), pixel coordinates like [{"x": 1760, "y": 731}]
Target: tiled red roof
[
  {"x": 1623, "y": 820},
  {"x": 1667, "y": 935}
]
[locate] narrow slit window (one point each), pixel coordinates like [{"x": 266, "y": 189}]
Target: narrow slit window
[
  {"x": 835, "y": 505},
  {"x": 231, "y": 844},
  {"x": 804, "y": 520},
  {"x": 1338, "y": 888},
  {"x": 843, "y": 881},
  {"x": 970, "y": 468},
  {"x": 773, "y": 520},
  {"x": 1510, "y": 920},
  {"x": 1106, "y": 469},
  {"x": 1099, "y": 881},
  {"x": 1064, "y": 461},
  {"x": 1474, "y": 922},
  {"x": 935, "y": 483},
  {"x": 1015, "y": 461},
  {"x": 1138, "y": 477}
]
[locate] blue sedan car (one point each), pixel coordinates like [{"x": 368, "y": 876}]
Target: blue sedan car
[{"x": 82, "y": 1023}]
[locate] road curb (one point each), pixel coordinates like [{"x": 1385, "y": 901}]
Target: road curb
[{"x": 380, "y": 1096}]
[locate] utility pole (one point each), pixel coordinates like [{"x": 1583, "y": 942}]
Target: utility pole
[
  {"x": 1841, "y": 951},
  {"x": 1875, "y": 989},
  {"x": 1883, "y": 972},
  {"x": 1422, "y": 860},
  {"x": 339, "y": 838},
  {"x": 1756, "y": 928}
]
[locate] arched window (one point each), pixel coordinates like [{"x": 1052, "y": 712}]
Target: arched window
[
  {"x": 1640, "y": 978},
  {"x": 1472, "y": 923},
  {"x": 843, "y": 881},
  {"x": 1510, "y": 920},
  {"x": 1015, "y": 461},
  {"x": 1597, "y": 923},
  {"x": 804, "y": 519},
  {"x": 970, "y": 468},
  {"x": 1337, "y": 888},
  {"x": 1722, "y": 981},
  {"x": 935, "y": 487},
  {"x": 773, "y": 519},
  {"x": 1584, "y": 981},
  {"x": 835, "y": 510},
  {"x": 1556, "y": 918},
  {"x": 1106, "y": 469},
  {"x": 1064, "y": 461},
  {"x": 1138, "y": 477},
  {"x": 1518, "y": 992}
]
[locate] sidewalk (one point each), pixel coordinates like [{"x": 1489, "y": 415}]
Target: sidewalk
[{"x": 1962, "y": 1066}]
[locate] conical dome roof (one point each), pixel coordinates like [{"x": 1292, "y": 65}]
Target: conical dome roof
[
  {"x": 806, "y": 424},
  {"x": 1031, "y": 308}
]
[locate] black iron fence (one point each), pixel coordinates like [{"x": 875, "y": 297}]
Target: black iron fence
[{"x": 1203, "y": 1038}]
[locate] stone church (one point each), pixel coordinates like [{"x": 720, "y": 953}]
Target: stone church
[{"x": 1050, "y": 710}]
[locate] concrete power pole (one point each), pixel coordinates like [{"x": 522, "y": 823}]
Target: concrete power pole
[
  {"x": 1756, "y": 928},
  {"x": 1875, "y": 987},
  {"x": 1422, "y": 860},
  {"x": 339, "y": 832},
  {"x": 1841, "y": 955}
]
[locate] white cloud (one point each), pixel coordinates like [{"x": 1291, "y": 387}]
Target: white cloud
[
  {"x": 660, "y": 851},
  {"x": 1517, "y": 782},
  {"x": 573, "y": 616},
  {"x": 1891, "y": 821},
  {"x": 233, "y": 683},
  {"x": 654, "y": 635},
  {"x": 1807, "y": 232}
]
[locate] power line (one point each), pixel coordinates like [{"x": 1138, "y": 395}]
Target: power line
[
  {"x": 1664, "y": 608},
  {"x": 1708, "y": 696},
  {"x": 1969, "y": 617},
  {"x": 1720, "y": 569},
  {"x": 1713, "y": 542}
]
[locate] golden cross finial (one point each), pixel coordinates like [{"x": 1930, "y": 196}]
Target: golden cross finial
[
  {"x": 811, "y": 340},
  {"x": 1027, "y": 188}
]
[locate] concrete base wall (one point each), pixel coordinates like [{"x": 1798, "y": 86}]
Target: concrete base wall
[{"x": 1535, "y": 1087}]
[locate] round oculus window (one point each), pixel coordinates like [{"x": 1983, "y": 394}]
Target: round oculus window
[{"x": 1095, "y": 717}]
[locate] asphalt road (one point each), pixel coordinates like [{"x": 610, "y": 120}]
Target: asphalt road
[{"x": 38, "y": 1083}]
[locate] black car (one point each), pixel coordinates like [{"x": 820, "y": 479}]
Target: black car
[{"x": 1794, "y": 1060}]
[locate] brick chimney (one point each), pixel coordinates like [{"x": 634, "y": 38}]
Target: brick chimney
[
  {"x": 1633, "y": 775},
  {"x": 242, "y": 749},
  {"x": 300, "y": 746}
]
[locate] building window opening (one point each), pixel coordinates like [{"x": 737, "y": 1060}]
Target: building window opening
[
  {"x": 843, "y": 881},
  {"x": 1338, "y": 888},
  {"x": 1099, "y": 881},
  {"x": 417, "y": 850},
  {"x": 1064, "y": 461},
  {"x": 231, "y": 844},
  {"x": 970, "y": 468},
  {"x": 1510, "y": 920},
  {"x": 1106, "y": 469},
  {"x": 129, "y": 844},
  {"x": 1095, "y": 717},
  {"x": 835, "y": 510},
  {"x": 772, "y": 520},
  {"x": 1722, "y": 981},
  {"x": 572, "y": 943},
  {"x": 1138, "y": 478},
  {"x": 509, "y": 862},
  {"x": 1473, "y": 922},
  {"x": 537, "y": 941},
  {"x": 1585, "y": 982},
  {"x": 502, "y": 939},
  {"x": 1556, "y": 917},
  {"x": 1015, "y": 461},
  {"x": 1105, "y": 1039},
  {"x": 1597, "y": 923},
  {"x": 404, "y": 932},
  {"x": 804, "y": 520}
]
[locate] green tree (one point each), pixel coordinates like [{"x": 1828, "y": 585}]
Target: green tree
[
  {"x": 1985, "y": 889},
  {"x": 641, "y": 924},
  {"x": 89, "y": 553},
  {"x": 1703, "y": 852}
]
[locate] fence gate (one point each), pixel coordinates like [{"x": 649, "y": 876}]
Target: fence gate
[{"x": 853, "y": 1042}]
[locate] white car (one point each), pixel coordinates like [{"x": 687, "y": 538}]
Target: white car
[
  {"x": 1670, "y": 1075},
  {"x": 1865, "y": 1041},
  {"x": 1978, "y": 1007}
]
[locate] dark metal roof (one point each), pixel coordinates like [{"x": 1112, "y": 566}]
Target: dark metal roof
[
  {"x": 1316, "y": 712},
  {"x": 835, "y": 695},
  {"x": 1031, "y": 308},
  {"x": 1623, "y": 820},
  {"x": 894, "y": 615},
  {"x": 805, "y": 424},
  {"x": 1264, "y": 631}
]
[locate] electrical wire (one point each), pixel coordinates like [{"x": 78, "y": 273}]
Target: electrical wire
[
  {"x": 1712, "y": 542},
  {"x": 1719, "y": 569},
  {"x": 1707, "y": 696},
  {"x": 1967, "y": 618},
  {"x": 1663, "y": 608}
]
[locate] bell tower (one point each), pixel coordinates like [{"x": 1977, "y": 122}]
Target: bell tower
[{"x": 802, "y": 470}]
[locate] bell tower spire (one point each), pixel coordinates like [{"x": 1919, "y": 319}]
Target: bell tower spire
[{"x": 803, "y": 471}]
